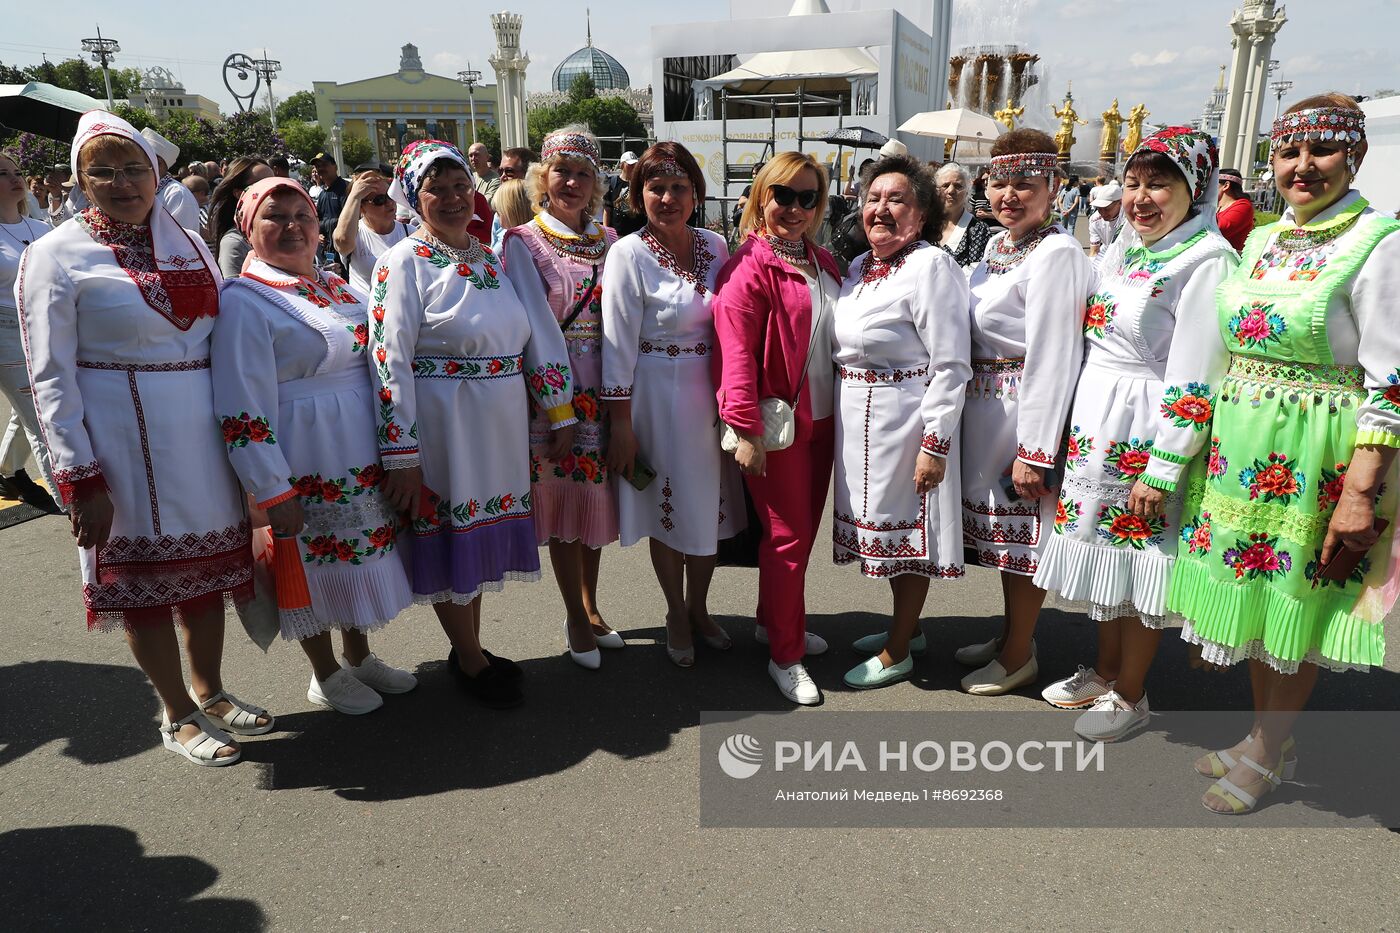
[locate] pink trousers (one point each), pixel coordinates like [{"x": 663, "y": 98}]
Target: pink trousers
[{"x": 789, "y": 500}]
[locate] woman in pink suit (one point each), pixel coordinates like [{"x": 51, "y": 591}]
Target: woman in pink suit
[{"x": 773, "y": 324}]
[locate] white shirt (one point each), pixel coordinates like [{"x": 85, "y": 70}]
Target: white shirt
[
  {"x": 180, "y": 202},
  {"x": 1103, "y": 232},
  {"x": 821, "y": 375},
  {"x": 369, "y": 246},
  {"x": 12, "y": 246}
]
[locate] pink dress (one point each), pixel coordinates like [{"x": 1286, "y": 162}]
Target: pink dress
[{"x": 574, "y": 498}]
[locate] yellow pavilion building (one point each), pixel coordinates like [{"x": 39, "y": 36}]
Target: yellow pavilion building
[{"x": 395, "y": 109}]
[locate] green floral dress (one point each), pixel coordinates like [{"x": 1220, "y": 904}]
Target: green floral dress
[{"x": 1307, "y": 371}]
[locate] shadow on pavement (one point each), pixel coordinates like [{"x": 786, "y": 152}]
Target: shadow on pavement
[
  {"x": 99, "y": 878},
  {"x": 105, "y": 712}
]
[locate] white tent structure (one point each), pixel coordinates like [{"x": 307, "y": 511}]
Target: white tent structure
[{"x": 814, "y": 71}]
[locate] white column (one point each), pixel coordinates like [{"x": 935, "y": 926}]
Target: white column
[
  {"x": 1230, "y": 125},
  {"x": 1261, "y": 94},
  {"x": 1245, "y": 134},
  {"x": 372, "y": 128}
]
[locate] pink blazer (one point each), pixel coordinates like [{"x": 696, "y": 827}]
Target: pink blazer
[{"x": 763, "y": 324}]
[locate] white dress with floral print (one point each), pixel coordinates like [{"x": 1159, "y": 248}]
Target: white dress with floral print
[
  {"x": 292, "y": 391},
  {"x": 1149, "y": 306},
  {"x": 456, "y": 357},
  {"x": 658, "y": 344}
]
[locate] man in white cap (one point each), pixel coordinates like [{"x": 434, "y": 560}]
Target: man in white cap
[
  {"x": 1107, "y": 217},
  {"x": 617, "y": 208},
  {"x": 893, "y": 148},
  {"x": 176, "y": 197}
]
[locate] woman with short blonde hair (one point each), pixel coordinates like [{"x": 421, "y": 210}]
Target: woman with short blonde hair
[{"x": 773, "y": 319}]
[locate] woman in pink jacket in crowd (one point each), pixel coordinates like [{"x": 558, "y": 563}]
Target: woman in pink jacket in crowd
[{"x": 773, "y": 323}]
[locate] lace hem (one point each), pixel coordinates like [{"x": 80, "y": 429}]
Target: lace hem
[
  {"x": 488, "y": 586},
  {"x": 1126, "y": 610},
  {"x": 1226, "y": 656},
  {"x": 1259, "y": 517}
]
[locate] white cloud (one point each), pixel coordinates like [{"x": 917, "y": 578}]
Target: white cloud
[
  {"x": 1164, "y": 57},
  {"x": 446, "y": 63}
]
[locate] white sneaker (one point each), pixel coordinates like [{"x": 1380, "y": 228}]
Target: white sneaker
[
  {"x": 1080, "y": 689},
  {"x": 795, "y": 683},
  {"x": 380, "y": 677},
  {"x": 815, "y": 643},
  {"x": 1112, "y": 718},
  {"x": 343, "y": 693}
]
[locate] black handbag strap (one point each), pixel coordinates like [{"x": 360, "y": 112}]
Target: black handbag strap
[{"x": 583, "y": 299}]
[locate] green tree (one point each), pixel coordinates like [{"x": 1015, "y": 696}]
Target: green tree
[
  {"x": 9, "y": 74},
  {"x": 355, "y": 150},
  {"x": 612, "y": 116},
  {"x": 582, "y": 88},
  {"x": 300, "y": 106},
  {"x": 303, "y": 139},
  {"x": 77, "y": 74},
  {"x": 488, "y": 136}
]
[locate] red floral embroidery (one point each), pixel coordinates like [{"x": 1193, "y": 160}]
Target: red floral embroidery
[
  {"x": 242, "y": 429},
  {"x": 1037, "y": 456}
]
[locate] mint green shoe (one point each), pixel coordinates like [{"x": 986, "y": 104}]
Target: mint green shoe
[
  {"x": 874, "y": 644},
  {"x": 871, "y": 673}
]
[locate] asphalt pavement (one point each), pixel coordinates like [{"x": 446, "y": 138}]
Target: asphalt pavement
[{"x": 579, "y": 811}]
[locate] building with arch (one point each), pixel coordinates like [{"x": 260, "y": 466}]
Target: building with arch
[{"x": 395, "y": 109}]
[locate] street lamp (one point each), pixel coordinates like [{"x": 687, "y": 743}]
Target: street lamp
[
  {"x": 1280, "y": 88},
  {"x": 267, "y": 69},
  {"x": 470, "y": 77},
  {"x": 103, "y": 50}
]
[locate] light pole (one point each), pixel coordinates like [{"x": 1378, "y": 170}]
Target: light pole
[
  {"x": 1280, "y": 88},
  {"x": 470, "y": 77},
  {"x": 267, "y": 69},
  {"x": 103, "y": 50}
]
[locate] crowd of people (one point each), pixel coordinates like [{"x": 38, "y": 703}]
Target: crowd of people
[{"x": 1171, "y": 426}]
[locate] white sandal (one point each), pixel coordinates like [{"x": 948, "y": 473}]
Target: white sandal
[
  {"x": 1241, "y": 801},
  {"x": 204, "y": 749},
  {"x": 242, "y": 720}
]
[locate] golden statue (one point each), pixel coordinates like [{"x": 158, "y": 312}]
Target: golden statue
[
  {"x": 1136, "y": 117},
  {"x": 1112, "y": 125},
  {"x": 1067, "y": 116},
  {"x": 1009, "y": 114}
]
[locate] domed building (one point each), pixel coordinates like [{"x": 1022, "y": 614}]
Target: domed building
[{"x": 607, "y": 72}]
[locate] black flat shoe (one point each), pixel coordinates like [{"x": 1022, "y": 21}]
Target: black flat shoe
[
  {"x": 32, "y": 493},
  {"x": 505, "y": 665},
  {"x": 491, "y": 687}
]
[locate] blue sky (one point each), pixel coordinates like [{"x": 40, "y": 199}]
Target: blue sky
[{"x": 1166, "y": 55}]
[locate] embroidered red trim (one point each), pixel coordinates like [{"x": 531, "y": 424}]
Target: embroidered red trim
[
  {"x": 1038, "y": 456},
  {"x": 277, "y": 500},
  {"x": 79, "y": 482},
  {"x": 181, "y": 296},
  {"x": 143, "y": 573},
  {"x": 935, "y": 444}
]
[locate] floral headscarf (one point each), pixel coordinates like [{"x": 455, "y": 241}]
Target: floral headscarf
[
  {"x": 413, "y": 165},
  {"x": 567, "y": 144},
  {"x": 1194, "y": 154},
  {"x": 256, "y": 193}
]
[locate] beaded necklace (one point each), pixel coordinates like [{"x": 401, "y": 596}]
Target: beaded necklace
[
  {"x": 585, "y": 247},
  {"x": 473, "y": 254},
  {"x": 1303, "y": 238},
  {"x": 1005, "y": 254},
  {"x": 794, "y": 251},
  {"x": 876, "y": 270}
]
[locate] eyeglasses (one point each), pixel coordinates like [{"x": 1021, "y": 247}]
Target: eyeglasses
[
  {"x": 379, "y": 200},
  {"x": 785, "y": 196},
  {"x": 508, "y": 173},
  {"x": 107, "y": 175}
]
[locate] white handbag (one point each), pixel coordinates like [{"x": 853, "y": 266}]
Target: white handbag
[{"x": 779, "y": 422}]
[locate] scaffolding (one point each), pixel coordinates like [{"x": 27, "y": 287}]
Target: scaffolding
[{"x": 742, "y": 174}]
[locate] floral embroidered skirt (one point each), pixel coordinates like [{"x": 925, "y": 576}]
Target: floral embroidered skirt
[
  {"x": 881, "y": 520},
  {"x": 998, "y": 533},
  {"x": 574, "y": 497},
  {"x": 348, "y": 561},
  {"x": 1256, "y": 515},
  {"x": 1098, "y": 552},
  {"x": 474, "y": 530}
]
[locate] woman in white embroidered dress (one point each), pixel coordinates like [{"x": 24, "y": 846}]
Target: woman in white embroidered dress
[
  {"x": 117, "y": 305},
  {"x": 455, "y": 357},
  {"x": 1028, "y": 296},
  {"x": 1153, "y": 308},
  {"x": 902, "y": 352},
  {"x": 17, "y": 231},
  {"x": 658, "y": 342},
  {"x": 556, "y": 263},
  {"x": 292, "y": 392}
]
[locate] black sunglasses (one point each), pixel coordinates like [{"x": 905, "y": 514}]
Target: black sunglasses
[
  {"x": 379, "y": 200},
  {"x": 785, "y": 196}
]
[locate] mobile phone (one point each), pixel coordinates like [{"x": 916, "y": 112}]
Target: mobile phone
[
  {"x": 1008, "y": 486},
  {"x": 642, "y": 474},
  {"x": 1345, "y": 560}
]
